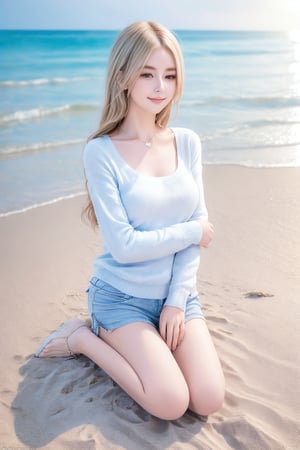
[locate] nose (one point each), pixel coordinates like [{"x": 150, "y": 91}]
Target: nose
[{"x": 159, "y": 84}]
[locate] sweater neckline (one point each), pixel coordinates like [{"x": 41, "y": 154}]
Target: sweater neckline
[{"x": 136, "y": 172}]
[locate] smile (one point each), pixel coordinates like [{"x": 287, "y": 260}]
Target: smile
[{"x": 156, "y": 100}]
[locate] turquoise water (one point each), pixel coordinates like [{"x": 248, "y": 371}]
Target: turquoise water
[{"x": 242, "y": 95}]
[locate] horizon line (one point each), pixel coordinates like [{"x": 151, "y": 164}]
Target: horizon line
[{"x": 175, "y": 29}]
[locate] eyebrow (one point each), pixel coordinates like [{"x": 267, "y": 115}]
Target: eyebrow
[{"x": 173, "y": 69}]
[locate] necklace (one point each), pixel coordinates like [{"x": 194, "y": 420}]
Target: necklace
[{"x": 147, "y": 142}]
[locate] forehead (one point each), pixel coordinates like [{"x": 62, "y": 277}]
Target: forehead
[{"x": 161, "y": 58}]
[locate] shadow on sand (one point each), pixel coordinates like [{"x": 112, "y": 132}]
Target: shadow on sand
[{"x": 57, "y": 395}]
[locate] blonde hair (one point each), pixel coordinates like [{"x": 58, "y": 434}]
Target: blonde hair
[{"x": 129, "y": 54}]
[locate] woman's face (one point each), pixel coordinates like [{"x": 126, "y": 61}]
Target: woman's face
[{"x": 156, "y": 85}]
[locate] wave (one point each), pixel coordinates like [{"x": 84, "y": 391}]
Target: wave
[
  {"x": 272, "y": 122},
  {"x": 250, "y": 125},
  {"x": 37, "y": 113},
  {"x": 42, "y": 81},
  {"x": 223, "y": 132},
  {"x": 270, "y": 102},
  {"x": 38, "y": 147},
  {"x": 253, "y": 164},
  {"x": 38, "y": 205},
  {"x": 272, "y": 146}
]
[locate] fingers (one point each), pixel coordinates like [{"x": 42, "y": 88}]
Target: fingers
[
  {"x": 172, "y": 337},
  {"x": 172, "y": 333},
  {"x": 177, "y": 336},
  {"x": 207, "y": 233}
]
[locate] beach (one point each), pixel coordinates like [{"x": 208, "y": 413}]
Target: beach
[
  {"x": 249, "y": 283},
  {"x": 241, "y": 95}
]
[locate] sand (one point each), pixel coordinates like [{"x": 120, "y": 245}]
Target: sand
[{"x": 250, "y": 288}]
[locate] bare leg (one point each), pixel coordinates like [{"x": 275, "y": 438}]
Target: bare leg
[
  {"x": 198, "y": 361},
  {"x": 135, "y": 357},
  {"x": 162, "y": 389}
]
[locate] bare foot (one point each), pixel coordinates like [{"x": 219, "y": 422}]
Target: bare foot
[{"x": 63, "y": 342}]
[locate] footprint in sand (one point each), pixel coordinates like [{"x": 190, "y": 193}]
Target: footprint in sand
[
  {"x": 257, "y": 294},
  {"x": 67, "y": 389},
  {"x": 95, "y": 379}
]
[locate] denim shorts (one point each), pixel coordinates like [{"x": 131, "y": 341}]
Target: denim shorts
[{"x": 110, "y": 308}]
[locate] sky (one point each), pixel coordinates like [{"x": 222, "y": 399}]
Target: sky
[{"x": 175, "y": 14}]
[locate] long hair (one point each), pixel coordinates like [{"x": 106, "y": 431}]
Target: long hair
[{"x": 129, "y": 54}]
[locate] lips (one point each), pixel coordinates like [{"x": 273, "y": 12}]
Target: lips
[{"x": 156, "y": 100}]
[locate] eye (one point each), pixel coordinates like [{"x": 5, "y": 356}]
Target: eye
[
  {"x": 171, "y": 77},
  {"x": 146, "y": 75}
]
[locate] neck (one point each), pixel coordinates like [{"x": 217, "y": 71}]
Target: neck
[{"x": 140, "y": 127}]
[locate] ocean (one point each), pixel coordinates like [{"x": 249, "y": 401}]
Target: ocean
[{"x": 242, "y": 95}]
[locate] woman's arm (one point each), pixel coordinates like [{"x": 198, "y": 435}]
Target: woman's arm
[
  {"x": 185, "y": 268},
  {"x": 186, "y": 262},
  {"x": 126, "y": 244}
]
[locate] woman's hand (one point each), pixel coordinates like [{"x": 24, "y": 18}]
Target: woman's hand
[
  {"x": 207, "y": 233},
  {"x": 171, "y": 326}
]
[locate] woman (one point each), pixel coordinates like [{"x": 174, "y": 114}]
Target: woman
[{"x": 145, "y": 186}]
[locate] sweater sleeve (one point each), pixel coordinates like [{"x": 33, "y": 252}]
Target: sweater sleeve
[
  {"x": 186, "y": 262},
  {"x": 126, "y": 244}
]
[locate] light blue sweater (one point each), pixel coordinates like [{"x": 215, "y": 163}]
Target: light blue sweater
[{"x": 149, "y": 225}]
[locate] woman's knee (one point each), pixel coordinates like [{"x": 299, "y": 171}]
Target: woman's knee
[
  {"x": 170, "y": 404},
  {"x": 209, "y": 399}
]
